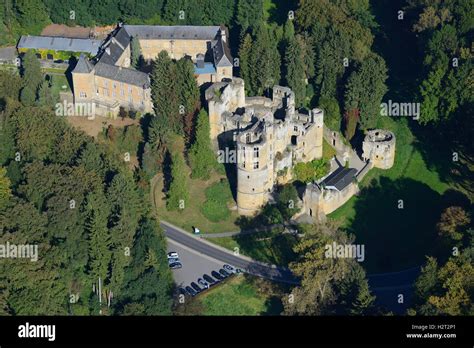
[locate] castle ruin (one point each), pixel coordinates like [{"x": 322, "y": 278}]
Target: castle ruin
[{"x": 268, "y": 134}]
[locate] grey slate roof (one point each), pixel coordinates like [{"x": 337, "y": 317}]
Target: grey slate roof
[
  {"x": 60, "y": 44},
  {"x": 131, "y": 76},
  {"x": 111, "y": 53},
  {"x": 221, "y": 53},
  {"x": 83, "y": 66},
  {"x": 340, "y": 178},
  {"x": 176, "y": 32}
]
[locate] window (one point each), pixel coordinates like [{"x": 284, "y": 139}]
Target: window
[
  {"x": 295, "y": 128},
  {"x": 130, "y": 99},
  {"x": 129, "y": 90},
  {"x": 114, "y": 94},
  {"x": 106, "y": 83},
  {"x": 122, "y": 92},
  {"x": 106, "y": 92},
  {"x": 256, "y": 152},
  {"x": 114, "y": 85},
  {"x": 255, "y": 165},
  {"x": 83, "y": 94}
]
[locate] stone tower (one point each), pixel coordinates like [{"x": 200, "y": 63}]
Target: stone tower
[
  {"x": 379, "y": 148},
  {"x": 254, "y": 169}
]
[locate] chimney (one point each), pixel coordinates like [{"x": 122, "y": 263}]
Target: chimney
[
  {"x": 223, "y": 35},
  {"x": 200, "y": 60}
]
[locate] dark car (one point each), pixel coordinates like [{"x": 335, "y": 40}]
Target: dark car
[
  {"x": 196, "y": 287},
  {"x": 224, "y": 273},
  {"x": 217, "y": 275},
  {"x": 190, "y": 291},
  {"x": 175, "y": 265},
  {"x": 209, "y": 279}
]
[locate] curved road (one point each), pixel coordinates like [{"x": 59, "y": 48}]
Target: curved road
[{"x": 250, "y": 266}]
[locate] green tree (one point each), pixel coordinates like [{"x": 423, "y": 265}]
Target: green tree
[
  {"x": 245, "y": 62},
  {"x": 295, "y": 72},
  {"x": 265, "y": 52},
  {"x": 201, "y": 157},
  {"x": 249, "y": 14},
  {"x": 178, "y": 194},
  {"x": 136, "y": 52},
  {"x": 165, "y": 92},
  {"x": 351, "y": 118},
  {"x": 99, "y": 236},
  {"x": 328, "y": 285},
  {"x": 5, "y": 190},
  {"x": 453, "y": 223},
  {"x": 365, "y": 89},
  {"x": 332, "y": 113},
  {"x": 188, "y": 95},
  {"x": 148, "y": 278},
  {"x": 288, "y": 201}
]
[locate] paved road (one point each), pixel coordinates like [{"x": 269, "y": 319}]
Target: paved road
[{"x": 213, "y": 251}]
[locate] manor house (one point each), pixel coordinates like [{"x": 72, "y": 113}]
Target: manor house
[{"x": 109, "y": 81}]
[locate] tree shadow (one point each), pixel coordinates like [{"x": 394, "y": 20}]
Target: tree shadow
[
  {"x": 448, "y": 149},
  {"x": 394, "y": 238}
]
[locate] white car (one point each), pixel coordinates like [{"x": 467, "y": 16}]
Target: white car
[
  {"x": 229, "y": 268},
  {"x": 173, "y": 255}
]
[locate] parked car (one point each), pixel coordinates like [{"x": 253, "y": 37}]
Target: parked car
[
  {"x": 224, "y": 273},
  {"x": 203, "y": 283},
  {"x": 175, "y": 265},
  {"x": 217, "y": 275},
  {"x": 196, "y": 287},
  {"x": 191, "y": 291},
  {"x": 229, "y": 268},
  {"x": 173, "y": 260},
  {"x": 238, "y": 271},
  {"x": 173, "y": 255},
  {"x": 209, "y": 279}
]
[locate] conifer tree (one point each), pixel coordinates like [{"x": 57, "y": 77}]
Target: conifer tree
[
  {"x": 201, "y": 156},
  {"x": 178, "y": 194}
]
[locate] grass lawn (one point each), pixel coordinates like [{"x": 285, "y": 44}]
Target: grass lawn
[
  {"x": 237, "y": 296},
  {"x": 192, "y": 215},
  {"x": 396, "y": 238},
  {"x": 328, "y": 151},
  {"x": 59, "y": 81},
  {"x": 274, "y": 249}
]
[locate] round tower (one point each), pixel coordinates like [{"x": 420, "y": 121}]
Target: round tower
[
  {"x": 253, "y": 176},
  {"x": 379, "y": 148}
]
